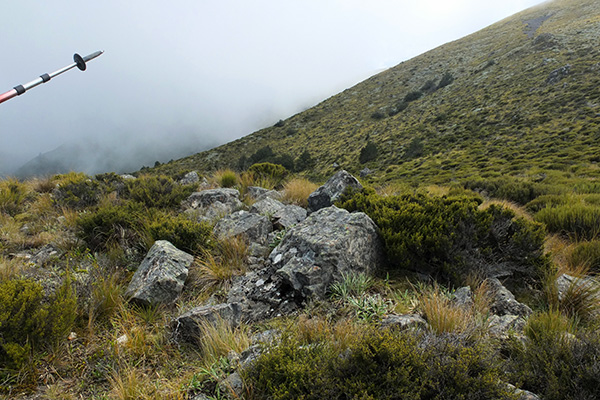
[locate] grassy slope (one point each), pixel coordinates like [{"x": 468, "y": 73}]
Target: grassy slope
[{"x": 498, "y": 117}]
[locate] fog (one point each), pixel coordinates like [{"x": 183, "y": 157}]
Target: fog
[{"x": 179, "y": 77}]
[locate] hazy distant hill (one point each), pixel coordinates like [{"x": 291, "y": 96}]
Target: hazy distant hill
[{"x": 520, "y": 98}]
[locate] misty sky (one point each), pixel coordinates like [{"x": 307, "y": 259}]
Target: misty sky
[{"x": 187, "y": 74}]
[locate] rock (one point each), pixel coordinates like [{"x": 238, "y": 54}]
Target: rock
[
  {"x": 127, "y": 177},
  {"x": 523, "y": 394},
  {"x": 463, "y": 297},
  {"x": 365, "y": 172},
  {"x": 566, "y": 283},
  {"x": 233, "y": 385},
  {"x": 259, "y": 193},
  {"x": 282, "y": 216},
  {"x": 161, "y": 275},
  {"x": 267, "y": 207},
  {"x": 205, "y": 198},
  {"x": 45, "y": 255},
  {"x": 402, "y": 322},
  {"x": 558, "y": 74},
  {"x": 289, "y": 216},
  {"x": 502, "y": 325},
  {"x": 329, "y": 243},
  {"x": 188, "y": 325},
  {"x": 254, "y": 227},
  {"x": 504, "y": 302},
  {"x": 332, "y": 190},
  {"x": 190, "y": 178}
]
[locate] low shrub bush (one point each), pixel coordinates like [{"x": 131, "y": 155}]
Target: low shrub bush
[
  {"x": 269, "y": 171},
  {"x": 157, "y": 191},
  {"x": 183, "y": 233},
  {"x": 449, "y": 236},
  {"x": 577, "y": 220},
  {"x": 378, "y": 365},
  {"x": 29, "y": 322},
  {"x": 519, "y": 191},
  {"x": 76, "y": 190}
]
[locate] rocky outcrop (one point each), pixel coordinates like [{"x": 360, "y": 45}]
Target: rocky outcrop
[
  {"x": 188, "y": 326},
  {"x": 332, "y": 190},
  {"x": 213, "y": 203},
  {"x": 258, "y": 193},
  {"x": 190, "y": 178},
  {"x": 161, "y": 275},
  {"x": 282, "y": 216},
  {"x": 255, "y": 228},
  {"x": 504, "y": 302},
  {"x": 329, "y": 243}
]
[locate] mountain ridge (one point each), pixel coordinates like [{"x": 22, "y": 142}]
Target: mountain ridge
[{"x": 501, "y": 111}]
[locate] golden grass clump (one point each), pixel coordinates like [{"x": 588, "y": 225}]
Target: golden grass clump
[
  {"x": 225, "y": 178},
  {"x": 297, "y": 190},
  {"x": 442, "y": 315},
  {"x": 219, "y": 338},
  {"x": 218, "y": 267}
]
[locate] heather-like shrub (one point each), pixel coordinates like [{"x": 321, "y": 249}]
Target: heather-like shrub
[
  {"x": 269, "y": 171},
  {"x": 554, "y": 365},
  {"x": 449, "y": 236},
  {"x": 577, "y": 220},
  {"x": 519, "y": 191},
  {"x": 368, "y": 153},
  {"x": 76, "y": 190},
  {"x": 115, "y": 225},
  {"x": 183, "y": 233},
  {"x": 378, "y": 365},
  {"x": 157, "y": 191},
  {"x": 28, "y": 322},
  {"x": 12, "y": 196}
]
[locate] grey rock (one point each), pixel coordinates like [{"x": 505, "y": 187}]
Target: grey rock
[
  {"x": 256, "y": 191},
  {"x": 187, "y": 326},
  {"x": 190, "y": 178},
  {"x": 365, "y": 172},
  {"x": 161, "y": 275},
  {"x": 254, "y": 227},
  {"x": 329, "y": 243},
  {"x": 504, "y": 302},
  {"x": 45, "y": 255},
  {"x": 289, "y": 216},
  {"x": 332, "y": 190},
  {"x": 267, "y": 207},
  {"x": 502, "y": 325},
  {"x": 463, "y": 297},
  {"x": 233, "y": 385},
  {"x": 523, "y": 394},
  {"x": 205, "y": 198},
  {"x": 128, "y": 177},
  {"x": 565, "y": 282},
  {"x": 402, "y": 322},
  {"x": 558, "y": 74}
]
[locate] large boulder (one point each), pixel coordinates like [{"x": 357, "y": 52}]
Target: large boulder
[
  {"x": 282, "y": 216},
  {"x": 190, "y": 178},
  {"x": 504, "y": 302},
  {"x": 332, "y": 190},
  {"x": 329, "y": 243},
  {"x": 161, "y": 275},
  {"x": 255, "y": 228},
  {"x": 213, "y": 203}
]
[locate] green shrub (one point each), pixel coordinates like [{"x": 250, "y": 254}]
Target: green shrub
[
  {"x": 412, "y": 96},
  {"x": 304, "y": 161},
  {"x": 450, "y": 237},
  {"x": 553, "y": 365},
  {"x": 12, "y": 196},
  {"x": 588, "y": 254},
  {"x": 368, "y": 153},
  {"x": 157, "y": 191},
  {"x": 183, "y": 233},
  {"x": 115, "y": 225},
  {"x": 378, "y": 365},
  {"x": 577, "y": 220},
  {"x": 76, "y": 190},
  {"x": 269, "y": 171},
  {"x": 519, "y": 191},
  {"x": 28, "y": 322},
  {"x": 446, "y": 79},
  {"x": 226, "y": 178}
]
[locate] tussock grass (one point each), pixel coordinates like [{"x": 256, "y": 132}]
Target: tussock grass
[
  {"x": 578, "y": 221},
  {"x": 10, "y": 268},
  {"x": 217, "y": 267},
  {"x": 297, "y": 190},
  {"x": 225, "y": 178},
  {"x": 218, "y": 339},
  {"x": 442, "y": 315}
]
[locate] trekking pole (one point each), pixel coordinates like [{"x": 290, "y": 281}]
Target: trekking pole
[{"x": 80, "y": 62}]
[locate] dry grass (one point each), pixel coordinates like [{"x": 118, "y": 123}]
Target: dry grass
[
  {"x": 225, "y": 178},
  {"x": 218, "y": 267},
  {"x": 442, "y": 315},
  {"x": 297, "y": 190},
  {"x": 519, "y": 211},
  {"x": 218, "y": 339},
  {"x": 315, "y": 329},
  {"x": 9, "y": 268}
]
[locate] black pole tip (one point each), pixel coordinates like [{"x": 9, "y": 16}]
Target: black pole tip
[{"x": 79, "y": 60}]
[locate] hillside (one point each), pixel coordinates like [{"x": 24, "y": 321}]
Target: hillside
[{"x": 519, "y": 98}]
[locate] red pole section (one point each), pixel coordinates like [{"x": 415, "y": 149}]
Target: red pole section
[{"x": 8, "y": 95}]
